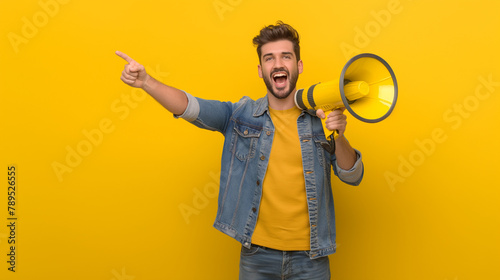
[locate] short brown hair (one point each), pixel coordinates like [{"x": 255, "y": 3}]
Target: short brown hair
[{"x": 273, "y": 33}]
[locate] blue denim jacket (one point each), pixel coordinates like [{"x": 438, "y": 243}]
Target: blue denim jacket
[{"x": 248, "y": 131}]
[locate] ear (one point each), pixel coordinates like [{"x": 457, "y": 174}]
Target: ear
[
  {"x": 260, "y": 71},
  {"x": 300, "y": 66}
]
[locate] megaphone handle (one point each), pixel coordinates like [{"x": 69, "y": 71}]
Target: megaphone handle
[{"x": 331, "y": 136}]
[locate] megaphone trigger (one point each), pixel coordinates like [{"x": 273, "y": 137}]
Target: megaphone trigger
[
  {"x": 335, "y": 133},
  {"x": 331, "y": 136}
]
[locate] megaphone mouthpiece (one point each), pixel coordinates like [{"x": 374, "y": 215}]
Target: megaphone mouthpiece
[{"x": 356, "y": 90}]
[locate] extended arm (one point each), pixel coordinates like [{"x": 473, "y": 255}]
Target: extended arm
[{"x": 134, "y": 74}]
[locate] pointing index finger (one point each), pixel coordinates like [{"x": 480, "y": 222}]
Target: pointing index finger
[{"x": 124, "y": 56}]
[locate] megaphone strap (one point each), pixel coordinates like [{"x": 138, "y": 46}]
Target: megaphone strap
[{"x": 329, "y": 144}]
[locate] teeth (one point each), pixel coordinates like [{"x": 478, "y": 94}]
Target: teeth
[{"x": 279, "y": 75}]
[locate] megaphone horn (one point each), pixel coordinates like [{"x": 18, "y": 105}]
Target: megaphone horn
[{"x": 367, "y": 88}]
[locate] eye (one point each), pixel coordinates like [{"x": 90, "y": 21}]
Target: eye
[
  {"x": 268, "y": 58},
  {"x": 287, "y": 56}
]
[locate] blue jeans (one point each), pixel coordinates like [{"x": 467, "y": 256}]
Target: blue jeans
[{"x": 261, "y": 263}]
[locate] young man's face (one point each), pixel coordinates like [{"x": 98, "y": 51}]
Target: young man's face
[{"x": 279, "y": 68}]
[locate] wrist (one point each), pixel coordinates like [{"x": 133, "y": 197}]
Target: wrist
[
  {"x": 147, "y": 84},
  {"x": 340, "y": 137}
]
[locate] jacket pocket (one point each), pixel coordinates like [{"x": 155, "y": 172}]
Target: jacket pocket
[{"x": 245, "y": 139}]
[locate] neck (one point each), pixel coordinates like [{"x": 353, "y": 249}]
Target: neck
[{"x": 281, "y": 104}]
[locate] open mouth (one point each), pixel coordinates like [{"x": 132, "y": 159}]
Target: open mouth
[{"x": 280, "y": 78}]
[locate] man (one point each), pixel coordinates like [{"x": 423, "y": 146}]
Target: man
[{"x": 275, "y": 194}]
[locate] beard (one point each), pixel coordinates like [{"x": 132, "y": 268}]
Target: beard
[{"x": 291, "y": 80}]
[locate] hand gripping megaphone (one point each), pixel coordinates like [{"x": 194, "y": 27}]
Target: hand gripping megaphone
[{"x": 367, "y": 88}]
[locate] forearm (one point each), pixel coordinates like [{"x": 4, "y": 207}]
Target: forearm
[
  {"x": 135, "y": 75},
  {"x": 174, "y": 100},
  {"x": 345, "y": 154}
]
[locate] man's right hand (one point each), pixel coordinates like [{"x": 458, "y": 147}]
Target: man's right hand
[{"x": 134, "y": 73}]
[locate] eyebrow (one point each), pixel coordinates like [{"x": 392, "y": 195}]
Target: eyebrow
[{"x": 268, "y": 54}]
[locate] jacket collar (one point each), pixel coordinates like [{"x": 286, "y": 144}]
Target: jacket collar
[{"x": 262, "y": 106}]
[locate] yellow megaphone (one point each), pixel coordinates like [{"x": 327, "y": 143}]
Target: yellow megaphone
[{"x": 367, "y": 88}]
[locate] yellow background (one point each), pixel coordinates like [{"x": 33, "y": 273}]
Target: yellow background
[{"x": 428, "y": 207}]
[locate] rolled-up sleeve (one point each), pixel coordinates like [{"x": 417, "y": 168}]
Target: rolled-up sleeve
[
  {"x": 209, "y": 114},
  {"x": 354, "y": 175},
  {"x": 192, "y": 110}
]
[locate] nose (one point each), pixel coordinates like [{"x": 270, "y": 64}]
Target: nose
[{"x": 278, "y": 63}]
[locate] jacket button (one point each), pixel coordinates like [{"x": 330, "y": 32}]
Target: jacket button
[
  {"x": 268, "y": 133},
  {"x": 254, "y": 209},
  {"x": 245, "y": 132},
  {"x": 258, "y": 182},
  {"x": 262, "y": 157}
]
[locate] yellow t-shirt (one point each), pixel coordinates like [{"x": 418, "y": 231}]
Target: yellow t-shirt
[{"x": 283, "y": 221}]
